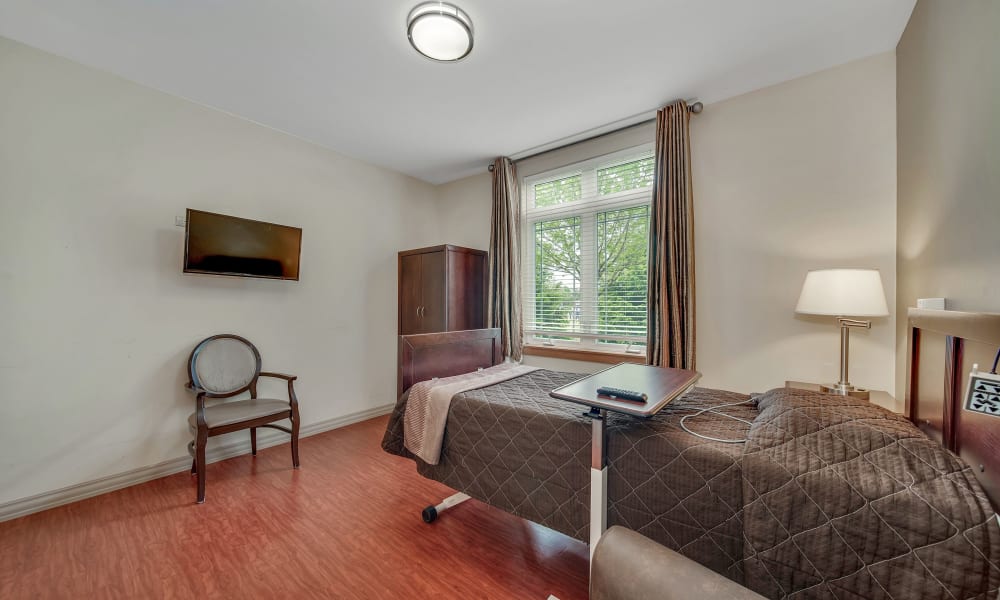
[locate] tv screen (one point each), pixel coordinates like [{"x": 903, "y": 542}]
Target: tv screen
[{"x": 224, "y": 245}]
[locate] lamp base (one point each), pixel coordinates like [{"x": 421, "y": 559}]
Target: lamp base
[{"x": 840, "y": 389}]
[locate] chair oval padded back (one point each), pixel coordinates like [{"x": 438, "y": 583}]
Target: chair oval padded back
[{"x": 224, "y": 364}]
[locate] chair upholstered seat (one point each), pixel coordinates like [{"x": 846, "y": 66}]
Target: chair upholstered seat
[
  {"x": 227, "y": 366},
  {"x": 227, "y": 413}
]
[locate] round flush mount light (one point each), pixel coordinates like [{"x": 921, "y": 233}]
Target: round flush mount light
[{"x": 440, "y": 31}]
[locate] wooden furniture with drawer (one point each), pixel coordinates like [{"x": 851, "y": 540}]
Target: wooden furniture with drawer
[{"x": 441, "y": 288}]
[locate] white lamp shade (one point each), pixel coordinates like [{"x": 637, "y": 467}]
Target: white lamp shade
[{"x": 843, "y": 293}]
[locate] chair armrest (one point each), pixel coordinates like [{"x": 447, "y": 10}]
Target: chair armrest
[
  {"x": 628, "y": 566},
  {"x": 292, "y": 399},
  {"x": 279, "y": 376},
  {"x": 199, "y": 402}
]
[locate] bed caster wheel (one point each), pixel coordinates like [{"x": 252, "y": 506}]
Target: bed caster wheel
[{"x": 430, "y": 514}]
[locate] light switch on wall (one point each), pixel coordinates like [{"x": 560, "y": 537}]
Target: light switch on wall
[{"x": 180, "y": 221}]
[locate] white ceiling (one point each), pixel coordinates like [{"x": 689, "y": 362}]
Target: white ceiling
[{"x": 342, "y": 74}]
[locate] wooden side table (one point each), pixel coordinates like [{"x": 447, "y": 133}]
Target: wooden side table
[{"x": 879, "y": 398}]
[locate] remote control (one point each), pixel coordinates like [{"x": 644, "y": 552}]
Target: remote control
[{"x": 620, "y": 394}]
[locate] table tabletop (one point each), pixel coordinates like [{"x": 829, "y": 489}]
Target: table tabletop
[{"x": 660, "y": 384}]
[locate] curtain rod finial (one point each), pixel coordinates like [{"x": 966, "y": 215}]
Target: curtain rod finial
[
  {"x": 696, "y": 108},
  {"x": 490, "y": 168}
]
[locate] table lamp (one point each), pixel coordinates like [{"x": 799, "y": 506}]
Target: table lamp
[{"x": 844, "y": 293}]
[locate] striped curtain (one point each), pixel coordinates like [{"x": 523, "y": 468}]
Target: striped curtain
[
  {"x": 504, "y": 308},
  {"x": 671, "y": 337}
]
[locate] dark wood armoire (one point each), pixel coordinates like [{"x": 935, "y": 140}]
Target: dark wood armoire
[{"x": 441, "y": 288}]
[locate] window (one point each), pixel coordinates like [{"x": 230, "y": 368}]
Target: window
[{"x": 586, "y": 253}]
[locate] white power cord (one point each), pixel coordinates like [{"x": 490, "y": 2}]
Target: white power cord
[{"x": 714, "y": 411}]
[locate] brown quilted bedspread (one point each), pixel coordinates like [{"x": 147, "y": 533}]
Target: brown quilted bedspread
[
  {"x": 513, "y": 446},
  {"x": 829, "y": 498},
  {"x": 846, "y": 500}
]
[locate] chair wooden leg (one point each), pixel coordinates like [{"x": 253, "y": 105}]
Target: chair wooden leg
[
  {"x": 200, "y": 460},
  {"x": 253, "y": 441},
  {"x": 295, "y": 440}
]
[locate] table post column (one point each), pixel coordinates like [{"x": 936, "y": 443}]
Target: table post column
[{"x": 598, "y": 477}]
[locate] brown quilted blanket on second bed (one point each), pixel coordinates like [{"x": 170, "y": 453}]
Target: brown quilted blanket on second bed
[{"x": 843, "y": 499}]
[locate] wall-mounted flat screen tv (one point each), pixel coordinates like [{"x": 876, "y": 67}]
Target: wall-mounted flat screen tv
[{"x": 223, "y": 245}]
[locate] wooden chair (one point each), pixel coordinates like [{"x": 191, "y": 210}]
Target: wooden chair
[{"x": 224, "y": 366}]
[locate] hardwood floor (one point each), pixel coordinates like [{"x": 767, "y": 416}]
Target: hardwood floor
[{"x": 346, "y": 525}]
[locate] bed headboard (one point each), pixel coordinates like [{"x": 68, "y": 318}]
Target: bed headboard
[
  {"x": 428, "y": 355},
  {"x": 942, "y": 346}
]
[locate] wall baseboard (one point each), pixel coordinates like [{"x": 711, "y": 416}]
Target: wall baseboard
[{"x": 88, "y": 489}]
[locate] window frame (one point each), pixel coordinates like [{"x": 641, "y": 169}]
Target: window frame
[{"x": 587, "y": 209}]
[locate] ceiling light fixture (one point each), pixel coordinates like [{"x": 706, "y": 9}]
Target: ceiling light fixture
[{"x": 440, "y": 31}]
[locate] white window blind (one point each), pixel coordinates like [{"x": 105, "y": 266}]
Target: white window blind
[{"x": 586, "y": 243}]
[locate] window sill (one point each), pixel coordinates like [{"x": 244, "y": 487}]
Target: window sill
[{"x": 596, "y": 356}]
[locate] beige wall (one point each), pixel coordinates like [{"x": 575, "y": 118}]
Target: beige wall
[
  {"x": 97, "y": 318},
  {"x": 797, "y": 176},
  {"x": 948, "y": 90},
  {"x": 463, "y": 209},
  {"x": 786, "y": 180}
]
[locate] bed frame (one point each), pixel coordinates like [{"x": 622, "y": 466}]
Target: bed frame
[
  {"x": 942, "y": 346},
  {"x": 428, "y": 355}
]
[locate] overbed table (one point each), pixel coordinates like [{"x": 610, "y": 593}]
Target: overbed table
[{"x": 661, "y": 386}]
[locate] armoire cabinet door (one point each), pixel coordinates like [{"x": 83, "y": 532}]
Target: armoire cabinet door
[
  {"x": 410, "y": 290},
  {"x": 434, "y": 313}
]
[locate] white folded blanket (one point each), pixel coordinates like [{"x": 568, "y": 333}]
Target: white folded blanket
[{"x": 427, "y": 406}]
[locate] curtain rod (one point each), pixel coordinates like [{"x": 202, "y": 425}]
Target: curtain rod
[{"x": 694, "y": 108}]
